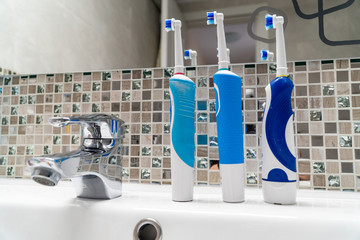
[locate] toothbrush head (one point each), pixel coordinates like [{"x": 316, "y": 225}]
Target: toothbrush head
[
  {"x": 187, "y": 54},
  {"x": 169, "y": 24},
  {"x": 211, "y": 18},
  {"x": 263, "y": 54},
  {"x": 190, "y": 54},
  {"x": 269, "y": 21},
  {"x": 266, "y": 55}
]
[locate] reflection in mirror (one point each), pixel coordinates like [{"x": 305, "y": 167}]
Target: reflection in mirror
[{"x": 246, "y": 36}]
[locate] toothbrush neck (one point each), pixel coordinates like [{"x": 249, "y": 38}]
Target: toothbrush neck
[
  {"x": 179, "y": 62},
  {"x": 281, "y": 68},
  {"x": 223, "y": 61},
  {"x": 193, "y": 60}
]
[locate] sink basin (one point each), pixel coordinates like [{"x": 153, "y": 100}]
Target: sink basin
[{"x": 34, "y": 212}]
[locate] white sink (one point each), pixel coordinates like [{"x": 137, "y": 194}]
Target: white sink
[{"x": 34, "y": 212}]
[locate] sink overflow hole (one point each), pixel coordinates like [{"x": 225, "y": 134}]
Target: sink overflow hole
[
  {"x": 147, "y": 232},
  {"x": 147, "y": 229}
]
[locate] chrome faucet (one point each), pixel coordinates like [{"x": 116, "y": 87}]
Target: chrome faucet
[{"x": 93, "y": 168}]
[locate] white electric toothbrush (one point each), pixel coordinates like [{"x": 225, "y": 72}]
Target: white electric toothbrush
[{"x": 278, "y": 149}]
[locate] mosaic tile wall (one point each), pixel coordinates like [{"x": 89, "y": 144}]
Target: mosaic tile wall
[
  {"x": 326, "y": 99},
  {"x": 4, "y": 71}
]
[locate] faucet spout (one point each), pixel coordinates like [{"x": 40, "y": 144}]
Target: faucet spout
[
  {"x": 48, "y": 169},
  {"x": 47, "y": 177}
]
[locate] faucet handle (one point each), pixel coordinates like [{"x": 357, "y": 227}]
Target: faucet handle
[
  {"x": 99, "y": 126},
  {"x": 59, "y": 121}
]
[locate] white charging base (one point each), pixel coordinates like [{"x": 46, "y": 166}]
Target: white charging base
[
  {"x": 279, "y": 192},
  {"x": 232, "y": 182},
  {"x": 182, "y": 179}
]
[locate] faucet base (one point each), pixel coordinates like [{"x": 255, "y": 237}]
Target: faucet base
[{"x": 96, "y": 187}]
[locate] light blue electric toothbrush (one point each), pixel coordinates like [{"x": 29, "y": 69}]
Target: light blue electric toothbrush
[
  {"x": 278, "y": 149},
  {"x": 182, "y": 128},
  {"x": 229, "y": 119}
]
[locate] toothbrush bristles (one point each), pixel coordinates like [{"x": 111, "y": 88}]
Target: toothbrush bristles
[
  {"x": 187, "y": 54},
  {"x": 269, "y": 22},
  {"x": 264, "y": 55},
  {"x": 210, "y": 18},
  {"x": 168, "y": 25}
]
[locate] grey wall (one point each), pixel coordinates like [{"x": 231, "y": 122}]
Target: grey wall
[{"x": 40, "y": 36}]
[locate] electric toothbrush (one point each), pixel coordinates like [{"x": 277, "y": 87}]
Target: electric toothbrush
[
  {"x": 278, "y": 150},
  {"x": 182, "y": 127},
  {"x": 191, "y": 54},
  {"x": 229, "y": 119}
]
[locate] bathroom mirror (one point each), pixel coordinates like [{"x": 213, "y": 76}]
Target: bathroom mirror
[
  {"x": 51, "y": 37},
  {"x": 320, "y": 29}
]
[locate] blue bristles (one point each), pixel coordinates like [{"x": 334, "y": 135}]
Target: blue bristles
[
  {"x": 210, "y": 18},
  {"x": 269, "y": 22},
  {"x": 187, "y": 54},
  {"x": 264, "y": 55},
  {"x": 168, "y": 25}
]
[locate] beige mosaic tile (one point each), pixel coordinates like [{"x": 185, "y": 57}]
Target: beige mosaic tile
[{"x": 323, "y": 123}]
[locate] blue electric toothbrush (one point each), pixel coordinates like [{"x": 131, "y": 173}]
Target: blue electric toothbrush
[
  {"x": 192, "y": 55},
  {"x": 278, "y": 150},
  {"x": 229, "y": 119},
  {"x": 182, "y": 109}
]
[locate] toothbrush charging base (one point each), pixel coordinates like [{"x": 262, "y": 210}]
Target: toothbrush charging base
[
  {"x": 232, "y": 182},
  {"x": 182, "y": 178},
  {"x": 283, "y": 193}
]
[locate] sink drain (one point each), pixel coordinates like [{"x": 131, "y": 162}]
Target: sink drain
[{"x": 147, "y": 229}]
